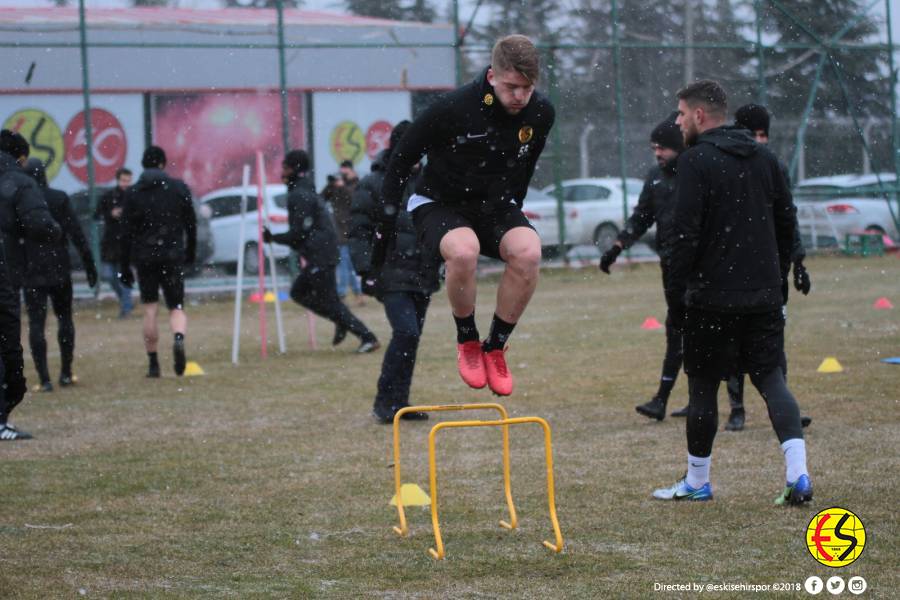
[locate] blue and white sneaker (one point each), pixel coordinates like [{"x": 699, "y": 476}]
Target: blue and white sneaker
[
  {"x": 796, "y": 493},
  {"x": 682, "y": 491}
]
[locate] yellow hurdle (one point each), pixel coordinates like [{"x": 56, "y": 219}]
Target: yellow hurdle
[
  {"x": 507, "y": 486},
  {"x": 504, "y": 423}
]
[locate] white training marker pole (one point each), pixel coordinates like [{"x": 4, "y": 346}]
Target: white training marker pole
[
  {"x": 265, "y": 206},
  {"x": 239, "y": 286}
]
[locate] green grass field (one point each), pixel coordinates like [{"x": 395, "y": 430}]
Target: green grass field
[{"x": 271, "y": 479}]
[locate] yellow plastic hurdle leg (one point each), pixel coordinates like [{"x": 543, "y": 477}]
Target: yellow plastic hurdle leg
[
  {"x": 504, "y": 423},
  {"x": 403, "y": 530}
]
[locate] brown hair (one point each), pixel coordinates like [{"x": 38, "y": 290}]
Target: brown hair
[
  {"x": 516, "y": 53},
  {"x": 706, "y": 92}
]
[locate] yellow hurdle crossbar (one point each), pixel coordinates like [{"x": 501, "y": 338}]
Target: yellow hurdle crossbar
[
  {"x": 504, "y": 423},
  {"x": 403, "y": 530}
]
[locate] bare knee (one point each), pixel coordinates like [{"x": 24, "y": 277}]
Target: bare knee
[
  {"x": 525, "y": 260},
  {"x": 461, "y": 256}
]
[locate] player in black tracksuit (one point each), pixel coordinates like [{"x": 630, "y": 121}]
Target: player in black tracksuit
[
  {"x": 404, "y": 284},
  {"x": 23, "y": 216},
  {"x": 756, "y": 119},
  {"x": 482, "y": 141},
  {"x": 657, "y": 205},
  {"x": 49, "y": 275},
  {"x": 312, "y": 236},
  {"x": 159, "y": 235},
  {"x": 734, "y": 225}
]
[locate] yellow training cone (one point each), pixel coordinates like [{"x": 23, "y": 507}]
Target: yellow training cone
[
  {"x": 412, "y": 495},
  {"x": 830, "y": 365},
  {"x": 269, "y": 297},
  {"x": 192, "y": 369}
]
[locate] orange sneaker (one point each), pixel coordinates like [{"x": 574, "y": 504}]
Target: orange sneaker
[
  {"x": 499, "y": 378},
  {"x": 470, "y": 361}
]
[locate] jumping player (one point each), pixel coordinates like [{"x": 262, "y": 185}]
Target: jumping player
[{"x": 482, "y": 141}]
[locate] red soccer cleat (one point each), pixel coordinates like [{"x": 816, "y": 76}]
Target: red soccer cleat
[
  {"x": 470, "y": 361},
  {"x": 499, "y": 378}
]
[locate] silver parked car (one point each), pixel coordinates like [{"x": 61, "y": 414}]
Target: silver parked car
[
  {"x": 829, "y": 208},
  {"x": 593, "y": 210},
  {"x": 223, "y": 209}
]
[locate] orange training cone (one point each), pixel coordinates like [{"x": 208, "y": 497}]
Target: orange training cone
[
  {"x": 882, "y": 304},
  {"x": 651, "y": 323}
]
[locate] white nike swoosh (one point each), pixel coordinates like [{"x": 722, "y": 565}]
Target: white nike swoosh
[{"x": 473, "y": 136}]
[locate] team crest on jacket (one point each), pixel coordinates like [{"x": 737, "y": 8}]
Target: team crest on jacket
[
  {"x": 488, "y": 99},
  {"x": 525, "y": 134}
]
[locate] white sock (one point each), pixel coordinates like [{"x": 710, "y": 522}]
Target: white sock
[
  {"x": 698, "y": 470},
  {"x": 794, "y": 459}
]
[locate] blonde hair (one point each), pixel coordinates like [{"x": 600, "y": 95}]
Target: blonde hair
[{"x": 516, "y": 53}]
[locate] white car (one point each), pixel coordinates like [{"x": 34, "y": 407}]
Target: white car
[
  {"x": 828, "y": 208},
  {"x": 223, "y": 208},
  {"x": 593, "y": 210}
]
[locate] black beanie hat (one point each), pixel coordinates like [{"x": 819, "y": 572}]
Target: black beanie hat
[
  {"x": 14, "y": 144},
  {"x": 754, "y": 117},
  {"x": 668, "y": 135},
  {"x": 298, "y": 160},
  {"x": 398, "y": 131},
  {"x": 153, "y": 158}
]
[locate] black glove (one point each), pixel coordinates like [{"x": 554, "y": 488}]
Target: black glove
[
  {"x": 91, "y": 271},
  {"x": 267, "y": 235},
  {"x": 609, "y": 257},
  {"x": 381, "y": 243},
  {"x": 801, "y": 278},
  {"x": 369, "y": 283},
  {"x": 126, "y": 277}
]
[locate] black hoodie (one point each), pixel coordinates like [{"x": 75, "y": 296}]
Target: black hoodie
[
  {"x": 48, "y": 262},
  {"x": 478, "y": 154},
  {"x": 404, "y": 268},
  {"x": 311, "y": 230},
  {"x": 655, "y": 205},
  {"x": 23, "y": 216},
  {"x": 158, "y": 223},
  {"x": 734, "y": 225}
]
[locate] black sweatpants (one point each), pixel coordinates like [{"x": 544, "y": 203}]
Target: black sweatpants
[
  {"x": 674, "y": 341},
  {"x": 735, "y": 386},
  {"x": 36, "y": 304},
  {"x": 12, "y": 375},
  {"x": 406, "y": 314},
  {"x": 703, "y": 409},
  {"x": 316, "y": 289}
]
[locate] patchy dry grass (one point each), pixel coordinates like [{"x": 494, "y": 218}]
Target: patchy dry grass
[{"x": 271, "y": 480}]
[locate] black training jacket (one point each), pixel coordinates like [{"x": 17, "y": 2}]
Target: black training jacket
[
  {"x": 404, "y": 269},
  {"x": 310, "y": 227},
  {"x": 111, "y": 243},
  {"x": 734, "y": 225},
  {"x": 655, "y": 205},
  {"x": 13, "y": 376},
  {"x": 48, "y": 262},
  {"x": 159, "y": 224},
  {"x": 23, "y": 216},
  {"x": 478, "y": 154}
]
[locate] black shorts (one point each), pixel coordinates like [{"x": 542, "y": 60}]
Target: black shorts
[
  {"x": 434, "y": 220},
  {"x": 169, "y": 276},
  {"x": 721, "y": 345}
]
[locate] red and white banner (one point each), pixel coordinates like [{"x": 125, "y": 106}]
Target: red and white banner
[
  {"x": 54, "y": 126},
  {"x": 354, "y": 126}
]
